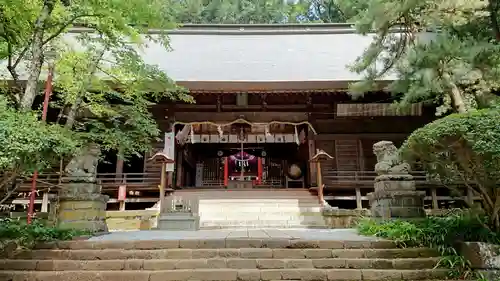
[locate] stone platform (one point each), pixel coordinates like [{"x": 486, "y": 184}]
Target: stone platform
[{"x": 302, "y": 234}]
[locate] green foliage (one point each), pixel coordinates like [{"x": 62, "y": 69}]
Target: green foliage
[
  {"x": 28, "y": 235},
  {"x": 441, "y": 233},
  {"x": 28, "y": 144},
  {"x": 446, "y": 52},
  {"x": 263, "y": 11},
  {"x": 231, "y": 11},
  {"x": 112, "y": 95},
  {"x": 465, "y": 149},
  {"x": 102, "y": 86}
]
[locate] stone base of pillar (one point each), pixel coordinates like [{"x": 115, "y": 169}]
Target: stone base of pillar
[
  {"x": 83, "y": 212},
  {"x": 396, "y": 199}
]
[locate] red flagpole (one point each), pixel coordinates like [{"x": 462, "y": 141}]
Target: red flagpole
[{"x": 48, "y": 92}]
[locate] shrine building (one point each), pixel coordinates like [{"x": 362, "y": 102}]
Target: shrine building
[{"x": 268, "y": 98}]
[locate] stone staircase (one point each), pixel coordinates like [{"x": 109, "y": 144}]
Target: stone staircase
[
  {"x": 221, "y": 259},
  {"x": 290, "y": 208}
]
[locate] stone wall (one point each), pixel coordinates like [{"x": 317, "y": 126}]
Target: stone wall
[{"x": 343, "y": 218}]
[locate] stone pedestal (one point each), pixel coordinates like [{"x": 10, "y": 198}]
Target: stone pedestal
[
  {"x": 82, "y": 206},
  {"x": 178, "y": 221},
  {"x": 484, "y": 258},
  {"x": 396, "y": 199}
]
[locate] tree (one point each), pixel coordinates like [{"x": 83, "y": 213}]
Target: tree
[
  {"x": 264, "y": 11},
  {"x": 447, "y": 53},
  {"x": 28, "y": 145},
  {"x": 333, "y": 11},
  {"x": 462, "y": 148},
  {"x": 103, "y": 88},
  {"x": 232, "y": 11},
  {"x": 443, "y": 51}
]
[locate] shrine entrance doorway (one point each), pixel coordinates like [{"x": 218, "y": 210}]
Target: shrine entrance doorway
[
  {"x": 249, "y": 165},
  {"x": 241, "y": 154}
]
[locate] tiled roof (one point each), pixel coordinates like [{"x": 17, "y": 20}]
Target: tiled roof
[{"x": 257, "y": 53}]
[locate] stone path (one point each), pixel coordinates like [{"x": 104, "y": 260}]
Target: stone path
[{"x": 305, "y": 234}]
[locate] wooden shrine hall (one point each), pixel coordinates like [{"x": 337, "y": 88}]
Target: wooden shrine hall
[{"x": 267, "y": 97}]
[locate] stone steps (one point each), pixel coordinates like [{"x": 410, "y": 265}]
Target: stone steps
[
  {"x": 245, "y": 253},
  {"x": 226, "y": 275},
  {"x": 207, "y": 243},
  {"x": 218, "y": 263},
  {"x": 259, "y": 209},
  {"x": 268, "y": 214},
  {"x": 239, "y": 259},
  {"x": 283, "y": 225}
]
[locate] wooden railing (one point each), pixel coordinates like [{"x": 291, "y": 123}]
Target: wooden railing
[
  {"x": 362, "y": 182},
  {"x": 108, "y": 181},
  {"x": 111, "y": 181},
  {"x": 348, "y": 179},
  {"x": 339, "y": 185}
]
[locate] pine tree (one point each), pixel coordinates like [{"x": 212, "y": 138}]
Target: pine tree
[{"x": 443, "y": 51}]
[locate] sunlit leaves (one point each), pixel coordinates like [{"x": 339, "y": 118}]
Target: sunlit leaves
[
  {"x": 103, "y": 88},
  {"x": 29, "y": 144}
]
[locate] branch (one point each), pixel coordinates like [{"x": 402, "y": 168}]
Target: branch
[
  {"x": 107, "y": 73},
  {"x": 67, "y": 24},
  {"x": 21, "y": 55},
  {"x": 70, "y": 120},
  {"x": 10, "y": 192}
]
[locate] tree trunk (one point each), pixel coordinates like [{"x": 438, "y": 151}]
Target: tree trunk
[
  {"x": 493, "y": 8},
  {"x": 71, "y": 117},
  {"x": 456, "y": 95},
  {"x": 36, "y": 61}
]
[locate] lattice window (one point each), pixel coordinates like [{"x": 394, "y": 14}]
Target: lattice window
[{"x": 377, "y": 109}]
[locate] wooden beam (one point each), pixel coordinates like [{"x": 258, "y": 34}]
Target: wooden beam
[
  {"x": 249, "y": 116},
  {"x": 375, "y": 136},
  {"x": 261, "y": 86}
]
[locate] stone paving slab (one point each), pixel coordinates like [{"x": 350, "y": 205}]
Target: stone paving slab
[{"x": 304, "y": 234}]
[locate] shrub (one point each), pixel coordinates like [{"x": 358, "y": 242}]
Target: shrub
[
  {"x": 441, "y": 233},
  {"x": 462, "y": 151},
  {"x": 28, "y": 235}
]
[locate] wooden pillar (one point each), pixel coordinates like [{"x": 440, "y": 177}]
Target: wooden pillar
[
  {"x": 312, "y": 167},
  {"x": 162, "y": 184},
  {"x": 45, "y": 202},
  {"x": 179, "y": 171},
  {"x": 122, "y": 195},
  {"x": 435, "y": 204},
  {"x": 226, "y": 171},
  {"x": 170, "y": 175},
  {"x": 259, "y": 170},
  {"x": 359, "y": 202},
  {"x": 319, "y": 181}
]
